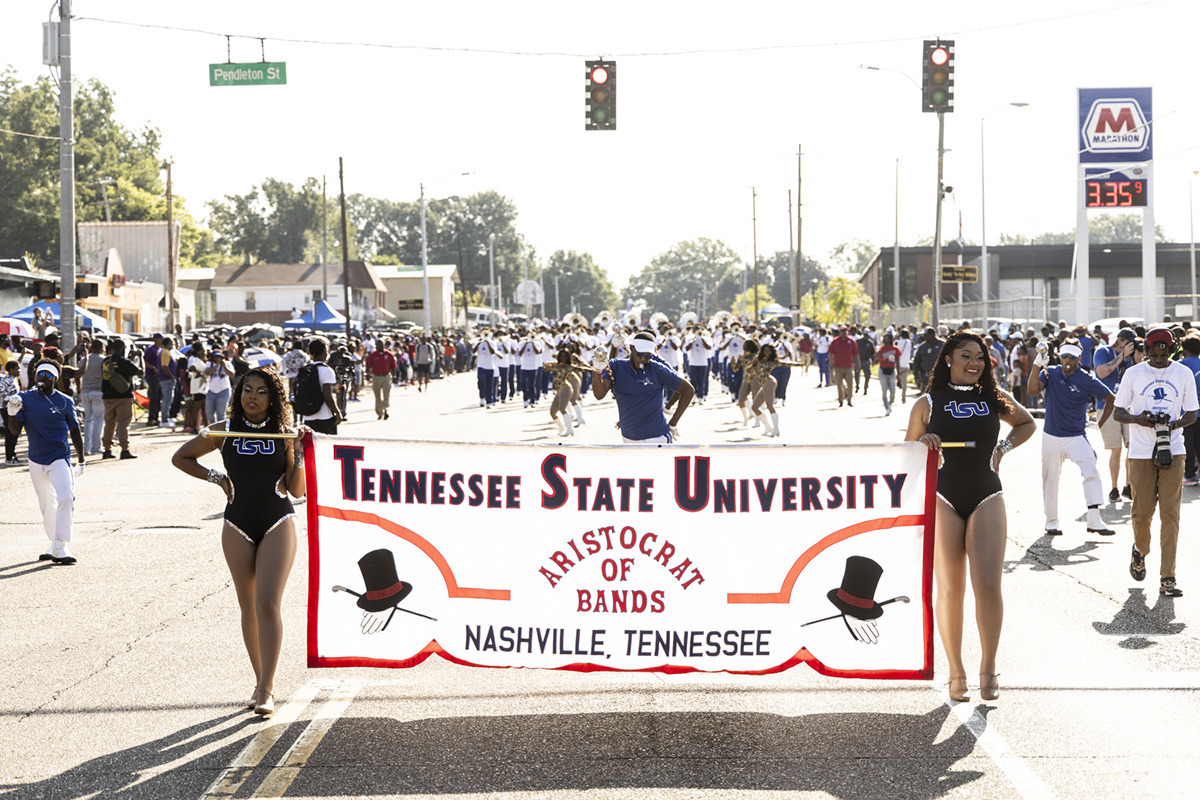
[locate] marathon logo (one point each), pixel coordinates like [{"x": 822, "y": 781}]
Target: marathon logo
[{"x": 1116, "y": 126}]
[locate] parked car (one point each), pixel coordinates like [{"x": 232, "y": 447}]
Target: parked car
[{"x": 1110, "y": 325}]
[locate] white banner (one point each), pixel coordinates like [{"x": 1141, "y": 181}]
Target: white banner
[{"x": 678, "y": 558}]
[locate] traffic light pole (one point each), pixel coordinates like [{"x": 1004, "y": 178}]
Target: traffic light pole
[
  {"x": 66, "y": 170},
  {"x": 937, "y": 225}
]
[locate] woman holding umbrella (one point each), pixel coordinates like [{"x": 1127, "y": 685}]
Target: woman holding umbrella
[{"x": 259, "y": 534}]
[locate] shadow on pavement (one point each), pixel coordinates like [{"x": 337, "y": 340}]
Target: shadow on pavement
[
  {"x": 25, "y": 567},
  {"x": 864, "y": 755},
  {"x": 1043, "y": 556},
  {"x": 123, "y": 773},
  {"x": 1137, "y": 619}
]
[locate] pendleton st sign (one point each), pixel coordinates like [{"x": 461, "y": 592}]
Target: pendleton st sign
[{"x": 258, "y": 73}]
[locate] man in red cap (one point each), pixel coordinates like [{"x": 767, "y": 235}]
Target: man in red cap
[{"x": 1157, "y": 398}]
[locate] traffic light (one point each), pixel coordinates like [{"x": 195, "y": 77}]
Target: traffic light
[
  {"x": 600, "y": 99},
  {"x": 937, "y": 70}
]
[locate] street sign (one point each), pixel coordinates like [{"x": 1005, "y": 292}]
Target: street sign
[
  {"x": 410, "y": 305},
  {"x": 954, "y": 273},
  {"x": 529, "y": 293},
  {"x": 257, "y": 73}
]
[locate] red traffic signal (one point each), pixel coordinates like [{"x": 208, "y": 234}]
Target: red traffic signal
[
  {"x": 937, "y": 71},
  {"x": 600, "y": 98}
]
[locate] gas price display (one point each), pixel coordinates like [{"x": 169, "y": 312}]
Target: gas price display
[
  {"x": 1112, "y": 193},
  {"x": 1116, "y": 189}
]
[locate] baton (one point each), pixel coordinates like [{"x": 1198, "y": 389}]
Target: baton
[
  {"x": 394, "y": 608},
  {"x": 210, "y": 434},
  {"x": 955, "y": 444},
  {"x": 901, "y": 598}
]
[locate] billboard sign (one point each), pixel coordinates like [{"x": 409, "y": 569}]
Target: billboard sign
[{"x": 1115, "y": 126}]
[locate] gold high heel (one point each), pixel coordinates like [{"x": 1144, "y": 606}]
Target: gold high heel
[
  {"x": 989, "y": 687},
  {"x": 266, "y": 707},
  {"x": 959, "y": 697}
]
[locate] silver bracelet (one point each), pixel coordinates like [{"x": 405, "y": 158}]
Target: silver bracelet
[
  {"x": 216, "y": 477},
  {"x": 1004, "y": 445}
]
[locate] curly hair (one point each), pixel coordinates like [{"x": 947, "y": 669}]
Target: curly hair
[
  {"x": 279, "y": 411},
  {"x": 939, "y": 376},
  {"x": 762, "y": 353}
]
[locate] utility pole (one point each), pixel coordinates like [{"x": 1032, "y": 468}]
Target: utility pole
[
  {"x": 792, "y": 254},
  {"x": 754, "y": 241},
  {"x": 324, "y": 253},
  {"x": 66, "y": 172},
  {"x": 937, "y": 225},
  {"x": 492, "y": 278},
  {"x": 104, "y": 183},
  {"x": 170, "y": 256},
  {"x": 345, "y": 255},
  {"x": 896, "y": 247},
  {"x": 799, "y": 246}
]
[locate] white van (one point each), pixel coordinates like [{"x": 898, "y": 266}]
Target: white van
[{"x": 478, "y": 317}]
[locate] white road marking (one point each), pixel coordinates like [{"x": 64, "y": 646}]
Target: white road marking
[
  {"x": 232, "y": 778},
  {"x": 1023, "y": 779},
  {"x": 281, "y": 777}
]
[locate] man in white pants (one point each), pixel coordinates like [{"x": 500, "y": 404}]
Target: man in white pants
[
  {"x": 49, "y": 417},
  {"x": 1064, "y": 435}
]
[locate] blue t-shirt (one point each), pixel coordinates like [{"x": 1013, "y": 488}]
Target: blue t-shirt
[
  {"x": 1193, "y": 363},
  {"x": 1105, "y": 354},
  {"x": 1067, "y": 399},
  {"x": 639, "y": 394},
  {"x": 1087, "y": 344},
  {"x": 47, "y": 422}
]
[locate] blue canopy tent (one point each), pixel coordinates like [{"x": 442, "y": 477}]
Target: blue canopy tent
[
  {"x": 328, "y": 319},
  {"x": 85, "y": 318}
]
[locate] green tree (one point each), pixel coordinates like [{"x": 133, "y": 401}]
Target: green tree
[
  {"x": 778, "y": 269},
  {"x": 677, "y": 280},
  {"x": 743, "y": 302},
  {"x": 852, "y": 256},
  {"x": 1102, "y": 229},
  {"x": 580, "y": 279},
  {"x": 273, "y": 222},
  {"x": 457, "y": 230},
  {"x": 109, "y": 158}
]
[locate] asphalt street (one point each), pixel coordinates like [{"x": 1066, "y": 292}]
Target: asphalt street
[{"x": 125, "y": 676}]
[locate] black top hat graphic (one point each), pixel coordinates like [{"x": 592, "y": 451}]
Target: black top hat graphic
[
  {"x": 856, "y": 596},
  {"x": 384, "y": 589}
]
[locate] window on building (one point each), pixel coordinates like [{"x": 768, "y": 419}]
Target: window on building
[{"x": 250, "y": 301}]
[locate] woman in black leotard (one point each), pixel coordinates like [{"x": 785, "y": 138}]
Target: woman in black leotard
[
  {"x": 963, "y": 404},
  {"x": 259, "y": 535}
]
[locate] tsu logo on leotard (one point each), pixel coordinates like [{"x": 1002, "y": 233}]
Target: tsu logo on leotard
[
  {"x": 967, "y": 410},
  {"x": 254, "y": 447}
]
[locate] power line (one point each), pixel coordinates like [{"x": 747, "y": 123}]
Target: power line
[
  {"x": 30, "y": 135},
  {"x": 660, "y": 53}
]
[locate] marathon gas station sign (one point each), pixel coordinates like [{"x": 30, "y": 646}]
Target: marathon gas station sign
[{"x": 1115, "y": 126}]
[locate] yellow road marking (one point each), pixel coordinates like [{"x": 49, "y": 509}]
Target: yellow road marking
[
  {"x": 281, "y": 777},
  {"x": 232, "y": 778}
]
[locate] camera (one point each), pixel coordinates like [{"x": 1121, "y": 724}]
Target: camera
[{"x": 1162, "y": 439}]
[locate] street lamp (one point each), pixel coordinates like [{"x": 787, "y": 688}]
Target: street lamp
[
  {"x": 425, "y": 260},
  {"x": 984, "y": 276}
]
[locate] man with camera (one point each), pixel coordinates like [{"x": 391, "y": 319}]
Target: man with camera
[{"x": 1157, "y": 399}]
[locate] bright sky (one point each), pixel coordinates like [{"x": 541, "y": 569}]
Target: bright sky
[{"x": 712, "y": 100}]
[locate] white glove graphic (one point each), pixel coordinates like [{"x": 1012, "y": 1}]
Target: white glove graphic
[
  {"x": 374, "y": 621},
  {"x": 863, "y": 630}
]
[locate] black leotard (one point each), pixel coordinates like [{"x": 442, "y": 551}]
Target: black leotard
[
  {"x": 255, "y": 467},
  {"x": 965, "y": 476}
]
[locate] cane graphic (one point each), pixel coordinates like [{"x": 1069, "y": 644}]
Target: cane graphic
[{"x": 394, "y": 608}]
